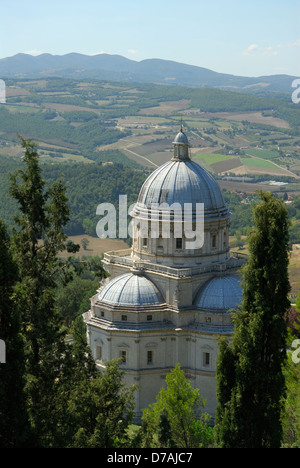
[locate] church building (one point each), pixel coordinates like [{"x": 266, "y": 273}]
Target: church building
[{"x": 167, "y": 300}]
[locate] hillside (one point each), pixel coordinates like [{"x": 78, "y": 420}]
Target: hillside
[
  {"x": 113, "y": 122},
  {"x": 118, "y": 68},
  {"x": 248, "y": 142},
  {"x": 104, "y": 137}
]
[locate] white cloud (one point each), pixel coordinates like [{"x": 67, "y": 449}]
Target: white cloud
[
  {"x": 255, "y": 50},
  {"x": 269, "y": 51},
  {"x": 98, "y": 53},
  {"x": 252, "y": 47},
  {"x": 296, "y": 43},
  {"x": 33, "y": 52},
  {"x": 133, "y": 51}
]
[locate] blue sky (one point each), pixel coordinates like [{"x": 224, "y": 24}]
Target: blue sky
[{"x": 242, "y": 37}]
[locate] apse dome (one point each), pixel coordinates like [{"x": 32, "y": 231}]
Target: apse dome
[
  {"x": 181, "y": 180},
  {"x": 220, "y": 292},
  {"x": 130, "y": 289}
]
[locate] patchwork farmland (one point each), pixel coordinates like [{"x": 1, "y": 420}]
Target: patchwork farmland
[{"x": 132, "y": 124}]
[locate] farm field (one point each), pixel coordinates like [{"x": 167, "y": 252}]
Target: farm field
[
  {"x": 74, "y": 118},
  {"x": 240, "y": 165},
  {"x": 95, "y": 246},
  {"x": 265, "y": 154},
  {"x": 246, "y": 142},
  {"x": 258, "y": 162},
  {"x": 211, "y": 158},
  {"x": 92, "y": 122},
  {"x": 254, "y": 117}
]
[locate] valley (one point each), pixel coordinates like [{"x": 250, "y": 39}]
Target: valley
[
  {"x": 88, "y": 120},
  {"x": 106, "y": 137}
]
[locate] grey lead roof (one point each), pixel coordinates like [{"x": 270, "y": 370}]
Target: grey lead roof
[
  {"x": 220, "y": 292},
  {"x": 183, "y": 182},
  {"x": 181, "y": 138},
  {"x": 132, "y": 290}
]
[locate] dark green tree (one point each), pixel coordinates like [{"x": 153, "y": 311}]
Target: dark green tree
[
  {"x": 291, "y": 414},
  {"x": 37, "y": 241},
  {"x": 73, "y": 299},
  {"x": 178, "y": 407},
  {"x": 164, "y": 430},
  {"x": 79, "y": 371},
  {"x": 85, "y": 242},
  {"x": 14, "y": 428},
  {"x": 251, "y": 384},
  {"x": 102, "y": 409},
  {"x": 56, "y": 370}
]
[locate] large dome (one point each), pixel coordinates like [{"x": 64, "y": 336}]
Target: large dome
[
  {"x": 220, "y": 292},
  {"x": 130, "y": 290},
  {"x": 182, "y": 180}
]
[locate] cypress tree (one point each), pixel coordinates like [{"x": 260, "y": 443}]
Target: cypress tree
[
  {"x": 53, "y": 367},
  {"x": 251, "y": 384},
  {"x": 13, "y": 417},
  {"x": 37, "y": 240}
]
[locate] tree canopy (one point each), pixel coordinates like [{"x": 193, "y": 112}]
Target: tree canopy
[
  {"x": 175, "y": 419},
  {"x": 251, "y": 384},
  {"x": 45, "y": 371}
]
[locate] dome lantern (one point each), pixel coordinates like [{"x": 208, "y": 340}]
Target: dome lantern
[{"x": 181, "y": 147}]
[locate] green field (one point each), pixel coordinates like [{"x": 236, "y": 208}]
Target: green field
[
  {"x": 258, "y": 163},
  {"x": 211, "y": 158},
  {"x": 134, "y": 125},
  {"x": 207, "y": 160},
  {"x": 265, "y": 154}
]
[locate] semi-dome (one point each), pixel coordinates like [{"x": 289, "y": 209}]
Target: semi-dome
[
  {"x": 182, "y": 181},
  {"x": 130, "y": 289},
  {"x": 220, "y": 292}
]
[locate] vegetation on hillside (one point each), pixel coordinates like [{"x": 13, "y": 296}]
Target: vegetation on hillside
[
  {"x": 64, "y": 402},
  {"x": 88, "y": 185},
  {"x": 60, "y": 399}
]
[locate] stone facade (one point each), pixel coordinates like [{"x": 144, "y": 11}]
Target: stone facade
[{"x": 165, "y": 303}]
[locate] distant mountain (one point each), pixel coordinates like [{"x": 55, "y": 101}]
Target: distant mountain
[{"x": 116, "y": 67}]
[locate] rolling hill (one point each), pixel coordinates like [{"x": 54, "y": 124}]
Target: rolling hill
[{"x": 116, "y": 67}]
